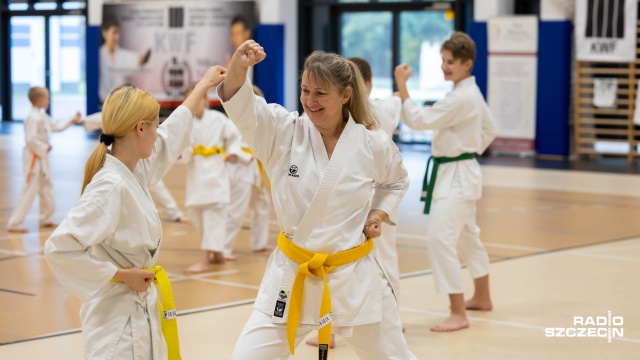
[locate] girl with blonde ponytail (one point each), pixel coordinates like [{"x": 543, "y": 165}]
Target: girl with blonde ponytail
[
  {"x": 104, "y": 248},
  {"x": 323, "y": 168}
]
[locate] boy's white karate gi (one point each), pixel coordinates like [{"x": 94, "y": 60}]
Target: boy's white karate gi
[
  {"x": 388, "y": 112},
  {"x": 115, "y": 225},
  {"x": 207, "y": 192},
  {"x": 462, "y": 124},
  {"x": 165, "y": 202},
  {"x": 35, "y": 162},
  {"x": 322, "y": 205},
  {"x": 249, "y": 190}
]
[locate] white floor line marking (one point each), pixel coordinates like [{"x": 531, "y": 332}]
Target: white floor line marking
[
  {"x": 228, "y": 283},
  {"x": 416, "y": 273},
  {"x": 498, "y": 322},
  {"x": 12, "y": 252},
  {"x": 503, "y": 246},
  {"x": 180, "y": 277},
  {"x": 514, "y": 247},
  {"x": 606, "y": 257},
  {"x": 216, "y": 307}
]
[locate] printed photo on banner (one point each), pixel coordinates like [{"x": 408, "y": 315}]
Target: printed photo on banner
[{"x": 162, "y": 47}]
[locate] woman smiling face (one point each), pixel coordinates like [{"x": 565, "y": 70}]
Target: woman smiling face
[{"x": 322, "y": 102}]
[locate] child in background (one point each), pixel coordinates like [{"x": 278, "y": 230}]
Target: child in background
[
  {"x": 37, "y": 129},
  {"x": 214, "y": 141}
]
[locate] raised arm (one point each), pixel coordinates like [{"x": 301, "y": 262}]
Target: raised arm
[
  {"x": 212, "y": 78},
  {"x": 247, "y": 55}
]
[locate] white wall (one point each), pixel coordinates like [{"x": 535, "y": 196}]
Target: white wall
[{"x": 270, "y": 12}]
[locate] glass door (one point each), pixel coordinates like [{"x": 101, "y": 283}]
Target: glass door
[
  {"x": 67, "y": 71},
  {"x": 27, "y": 61}
]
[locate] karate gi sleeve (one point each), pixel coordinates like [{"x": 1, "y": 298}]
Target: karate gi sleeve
[
  {"x": 233, "y": 141},
  {"x": 442, "y": 114},
  {"x": 258, "y": 122},
  {"x": 68, "y": 251},
  {"x": 59, "y": 126},
  {"x": 489, "y": 128},
  {"x": 173, "y": 138},
  {"x": 392, "y": 179}
]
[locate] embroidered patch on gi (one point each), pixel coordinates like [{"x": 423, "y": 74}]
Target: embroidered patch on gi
[
  {"x": 283, "y": 295},
  {"x": 293, "y": 170},
  {"x": 279, "y": 310},
  {"x": 323, "y": 351},
  {"x": 170, "y": 314}
]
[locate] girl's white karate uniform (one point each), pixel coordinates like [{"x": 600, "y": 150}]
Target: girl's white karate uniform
[
  {"x": 207, "y": 192},
  {"x": 163, "y": 199},
  {"x": 115, "y": 225},
  {"x": 37, "y": 130},
  {"x": 462, "y": 124},
  {"x": 249, "y": 190},
  {"x": 322, "y": 205},
  {"x": 388, "y": 112}
]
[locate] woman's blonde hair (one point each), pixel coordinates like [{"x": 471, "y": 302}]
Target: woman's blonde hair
[
  {"x": 332, "y": 70},
  {"x": 123, "y": 109}
]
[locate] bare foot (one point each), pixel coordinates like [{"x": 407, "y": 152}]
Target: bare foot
[
  {"x": 452, "y": 323},
  {"x": 197, "y": 268},
  {"x": 477, "y": 304},
  {"x": 49, "y": 225},
  {"x": 216, "y": 257},
  {"x": 183, "y": 220},
  {"x": 404, "y": 330},
  {"x": 314, "y": 341},
  {"x": 18, "y": 230},
  {"x": 264, "y": 249},
  {"x": 230, "y": 257}
]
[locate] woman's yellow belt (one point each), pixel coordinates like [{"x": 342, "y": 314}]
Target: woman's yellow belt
[
  {"x": 168, "y": 315},
  {"x": 207, "y": 151},
  {"x": 316, "y": 265}
]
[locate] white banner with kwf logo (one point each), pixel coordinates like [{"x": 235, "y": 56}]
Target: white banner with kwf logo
[{"x": 606, "y": 30}]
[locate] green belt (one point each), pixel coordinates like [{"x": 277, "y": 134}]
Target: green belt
[{"x": 430, "y": 181}]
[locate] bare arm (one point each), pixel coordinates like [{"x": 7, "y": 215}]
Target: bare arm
[{"x": 248, "y": 54}]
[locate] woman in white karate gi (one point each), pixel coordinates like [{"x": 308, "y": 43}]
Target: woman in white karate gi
[
  {"x": 114, "y": 231},
  {"x": 161, "y": 195},
  {"x": 214, "y": 142},
  {"x": 463, "y": 126},
  {"x": 322, "y": 170}
]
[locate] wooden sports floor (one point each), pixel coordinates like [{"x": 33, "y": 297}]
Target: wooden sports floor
[{"x": 563, "y": 245}]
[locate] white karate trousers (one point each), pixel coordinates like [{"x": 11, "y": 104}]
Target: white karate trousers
[
  {"x": 39, "y": 185},
  {"x": 210, "y": 222},
  {"x": 245, "y": 196},
  {"x": 452, "y": 228},
  {"x": 166, "y": 204},
  {"x": 262, "y": 339}
]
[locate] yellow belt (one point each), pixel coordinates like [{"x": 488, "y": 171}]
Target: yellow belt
[
  {"x": 264, "y": 179},
  {"x": 207, "y": 151},
  {"x": 316, "y": 265},
  {"x": 168, "y": 320}
]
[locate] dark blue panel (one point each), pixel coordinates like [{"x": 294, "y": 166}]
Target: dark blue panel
[
  {"x": 93, "y": 39},
  {"x": 554, "y": 88},
  {"x": 478, "y": 32},
  {"x": 269, "y": 74}
]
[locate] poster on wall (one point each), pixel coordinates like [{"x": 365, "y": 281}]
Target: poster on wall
[
  {"x": 605, "y": 30},
  {"x": 162, "y": 47},
  {"x": 512, "y": 81}
]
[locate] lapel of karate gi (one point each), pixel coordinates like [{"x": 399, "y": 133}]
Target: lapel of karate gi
[{"x": 327, "y": 183}]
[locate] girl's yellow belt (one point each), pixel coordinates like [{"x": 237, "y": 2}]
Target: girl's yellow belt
[
  {"x": 168, "y": 315},
  {"x": 317, "y": 265}
]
